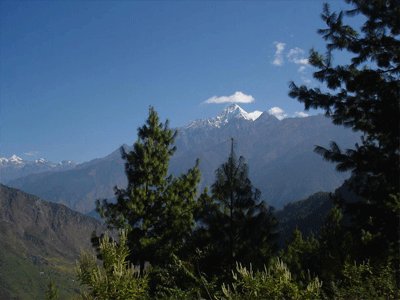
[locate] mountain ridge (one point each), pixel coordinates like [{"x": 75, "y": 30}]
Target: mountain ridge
[
  {"x": 279, "y": 153},
  {"x": 15, "y": 167},
  {"x": 231, "y": 111},
  {"x": 40, "y": 240}
]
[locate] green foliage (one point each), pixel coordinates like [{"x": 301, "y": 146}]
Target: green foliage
[
  {"x": 236, "y": 224},
  {"x": 273, "y": 283},
  {"x": 181, "y": 280},
  {"x": 52, "y": 293},
  {"x": 365, "y": 96},
  {"x": 116, "y": 278},
  {"x": 324, "y": 257},
  {"x": 156, "y": 208},
  {"x": 299, "y": 255},
  {"x": 364, "y": 282},
  {"x": 335, "y": 246}
]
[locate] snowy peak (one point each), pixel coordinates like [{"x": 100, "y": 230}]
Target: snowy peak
[
  {"x": 40, "y": 160},
  {"x": 66, "y": 162},
  {"x": 16, "y": 167},
  {"x": 15, "y": 159},
  {"x": 235, "y": 111},
  {"x": 3, "y": 160},
  {"x": 12, "y": 160},
  {"x": 231, "y": 111}
]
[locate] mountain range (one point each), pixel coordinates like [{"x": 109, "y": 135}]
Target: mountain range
[
  {"x": 279, "y": 153},
  {"x": 15, "y": 167}
]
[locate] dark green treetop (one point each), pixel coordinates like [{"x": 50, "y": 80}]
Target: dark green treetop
[
  {"x": 364, "y": 95},
  {"x": 156, "y": 208},
  {"x": 238, "y": 225},
  {"x": 299, "y": 255}
]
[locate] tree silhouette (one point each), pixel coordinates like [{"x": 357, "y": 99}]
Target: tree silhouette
[
  {"x": 155, "y": 208},
  {"x": 236, "y": 225},
  {"x": 364, "y": 95}
]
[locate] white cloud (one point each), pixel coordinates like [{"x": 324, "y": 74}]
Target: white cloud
[
  {"x": 277, "y": 112},
  {"x": 238, "y": 97},
  {"x": 306, "y": 80},
  {"x": 295, "y": 51},
  {"x": 31, "y": 153},
  {"x": 296, "y": 56},
  {"x": 301, "y": 69},
  {"x": 278, "y": 61},
  {"x": 300, "y": 114},
  {"x": 303, "y": 61}
]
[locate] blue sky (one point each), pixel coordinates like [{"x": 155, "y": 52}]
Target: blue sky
[{"x": 77, "y": 78}]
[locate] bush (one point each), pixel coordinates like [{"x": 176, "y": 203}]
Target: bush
[
  {"x": 364, "y": 282},
  {"x": 274, "y": 283},
  {"x": 116, "y": 278}
]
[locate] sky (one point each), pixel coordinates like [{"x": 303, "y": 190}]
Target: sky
[{"x": 77, "y": 77}]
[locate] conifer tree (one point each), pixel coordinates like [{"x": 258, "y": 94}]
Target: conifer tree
[
  {"x": 155, "y": 208},
  {"x": 238, "y": 225},
  {"x": 300, "y": 255},
  {"x": 334, "y": 248},
  {"x": 364, "y": 95}
]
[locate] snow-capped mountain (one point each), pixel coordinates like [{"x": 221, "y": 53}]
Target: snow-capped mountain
[
  {"x": 231, "y": 111},
  {"x": 15, "y": 167},
  {"x": 279, "y": 153},
  {"x": 15, "y": 159},
  {"x": 12, "y": 160}
]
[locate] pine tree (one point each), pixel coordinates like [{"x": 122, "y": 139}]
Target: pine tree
[
  {"x": 334, "y": 248},
  {"x": 239, "y": 227},
  {"x": 155, "y": 208},
  {"x": 364, "y": 95},
  {"x": 300, "y": 255}
]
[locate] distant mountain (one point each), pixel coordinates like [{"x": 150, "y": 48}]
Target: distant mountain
[
  {"x": 230, "y": 112},
  {"x": 279, "y": 154},
  {"x": 16, "y": 167},
  {"x": 80, "y": 187},
  {"x": 40, "y": 240}
]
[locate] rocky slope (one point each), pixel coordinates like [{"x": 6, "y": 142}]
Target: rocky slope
[{"x": 40, "y": 240}]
